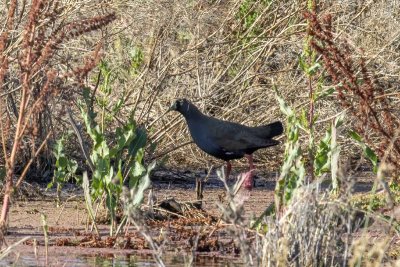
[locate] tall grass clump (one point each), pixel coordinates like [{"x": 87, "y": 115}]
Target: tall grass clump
[
  {"x": 33, "y": 82},
  {"x": 318, "y": 229}
]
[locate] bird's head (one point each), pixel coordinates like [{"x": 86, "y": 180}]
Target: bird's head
[{"x": 180, "y": 105}]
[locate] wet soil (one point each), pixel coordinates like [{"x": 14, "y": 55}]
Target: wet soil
[{"x": 71, "y": 243}]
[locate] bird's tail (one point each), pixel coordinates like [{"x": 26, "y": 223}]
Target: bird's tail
[{"x": 273, "y": 129}]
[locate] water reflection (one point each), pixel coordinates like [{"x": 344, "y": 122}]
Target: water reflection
[{"x": 105, "y": 260}]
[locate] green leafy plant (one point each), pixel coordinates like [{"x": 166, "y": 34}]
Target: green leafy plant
[
  {"x": 137, "y": 59},
  {"x": 115, "y": 162},
  {"x": 65, "y": 168},
  {"x": 322, "y": 155},
  {"x": 115, "y": 157},
  {"x": 103, "y": 100},
  {"x": 292, "y": 170},
  {"x": 326, "y": 148},
  {"x": 113, "y": 74}
]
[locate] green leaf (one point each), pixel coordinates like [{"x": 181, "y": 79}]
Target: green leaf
[
  {"x": 355, "y": 136},
  {"x": 282, "y": 104},
  {"x": 50, "y": 185},
  {"x": 339, "y": 120},
  {"x": 62, "y": 162},
  {"x": 117, "y": 106},
  {"x": 72, "y": 166},
  {"x": 119, "y": 176},
  {"x": 302, "y": 63},
  {"x": 269, "y": 211},
  {"x": 324, "y": 93},
  {"x": 86, "y": 93},
  {"x": 303, "y": 119},
  {"x": 138, "y": 170},
  {"x": 110, "y": 175},
  {"x": 313, "y": 69},
  {"x": 138, "y": 142},
  {"x": 88, "y": 199},
  {"x": 152, "y": 147},
  {"x": 144, "y": 183},
  {"x": 111, "y": 204},
  {"x": 368, "y": 152},
  {"x": 371, "y": 154}
]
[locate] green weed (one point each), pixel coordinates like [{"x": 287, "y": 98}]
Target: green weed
[
  {"x": 114, "y": 162},
  {"x": 65, "y": 168}
]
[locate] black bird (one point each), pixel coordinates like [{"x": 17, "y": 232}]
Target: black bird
[{"x": 227, "y": 140}]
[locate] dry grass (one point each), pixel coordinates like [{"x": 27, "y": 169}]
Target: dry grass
[
  {"x": 316, "y": 230},
  {"x": 203, "y": 51}
]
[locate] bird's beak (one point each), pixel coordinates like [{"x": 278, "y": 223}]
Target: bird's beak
[{"x": 172, "y": 107}]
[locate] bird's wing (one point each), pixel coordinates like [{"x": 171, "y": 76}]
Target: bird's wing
[{"x": 235, "y": 137}]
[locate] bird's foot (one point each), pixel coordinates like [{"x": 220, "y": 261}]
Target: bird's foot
[{"x": 248, "y": 182}]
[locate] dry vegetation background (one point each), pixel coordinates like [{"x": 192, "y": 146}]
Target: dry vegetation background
[
  {"x": 223, "y": 55},
  {"x": 209, "y": 52}
]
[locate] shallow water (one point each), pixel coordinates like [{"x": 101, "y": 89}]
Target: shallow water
[{"x": 112, "y": 260}]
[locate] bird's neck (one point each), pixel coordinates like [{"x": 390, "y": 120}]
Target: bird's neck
[{"x": 193, "y": 113}]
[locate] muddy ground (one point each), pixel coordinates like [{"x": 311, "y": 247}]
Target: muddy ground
[{"x": 70, "y": 238}]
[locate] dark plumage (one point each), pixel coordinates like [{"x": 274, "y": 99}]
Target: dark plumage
[{"x": 223, "y": 139}]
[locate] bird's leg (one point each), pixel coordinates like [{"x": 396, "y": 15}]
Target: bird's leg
[
  {"x": 248, "y": 176},
  {"x": 250, "y": 159},
  {"x": 228, "y": 170}
]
